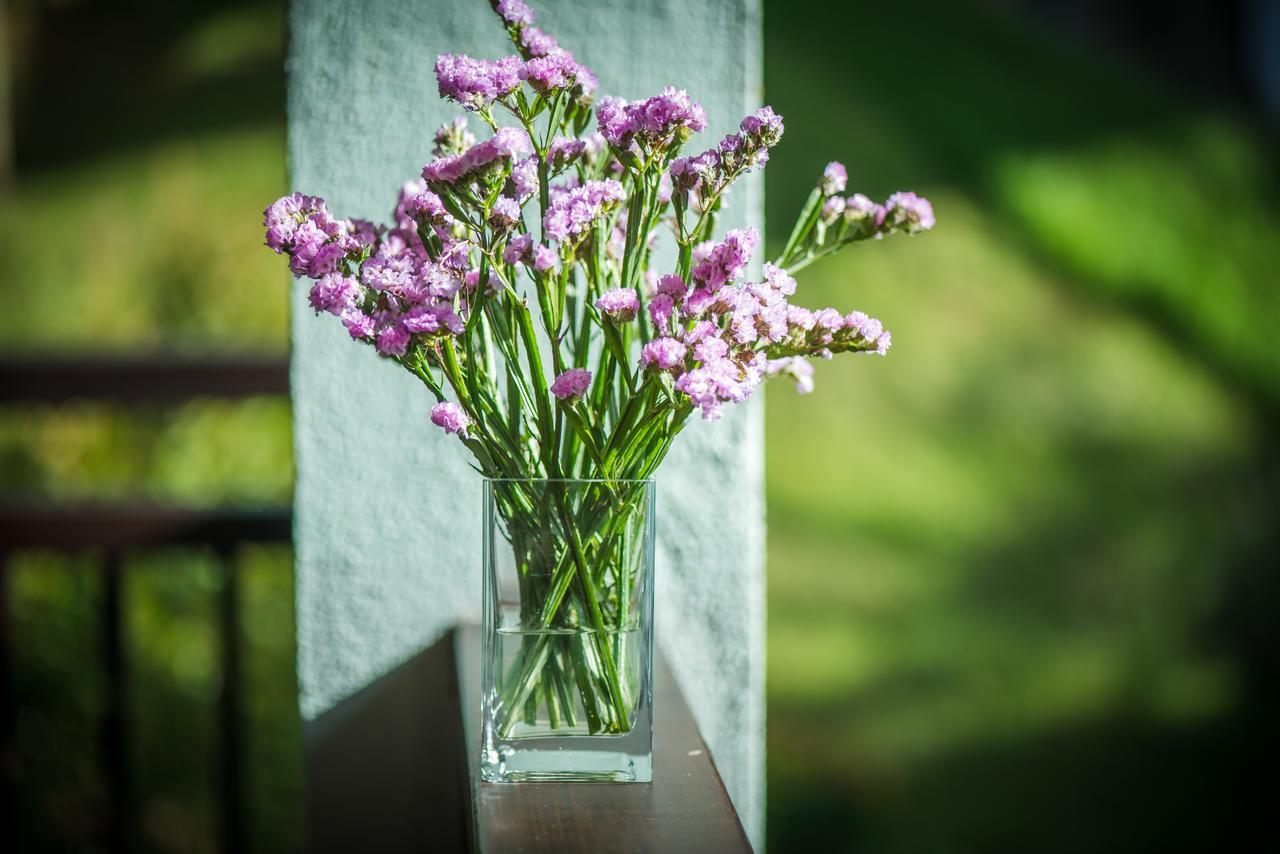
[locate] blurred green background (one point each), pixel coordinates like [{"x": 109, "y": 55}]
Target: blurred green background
[{"x": 1021, "y": 573}]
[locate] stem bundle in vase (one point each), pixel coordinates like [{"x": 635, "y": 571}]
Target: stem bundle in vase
[{"x": 517, "y": 281}]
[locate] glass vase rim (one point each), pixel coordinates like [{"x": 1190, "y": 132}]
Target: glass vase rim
[{"x": 647, "y": 480}]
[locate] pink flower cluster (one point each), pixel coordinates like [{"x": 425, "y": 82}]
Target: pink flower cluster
[
  {"x": 506, "y": 144},
  {"x": 315, "y": 241},
  {"x": 451, "y": 418},
  {"x": 902, "y": 211},
  {"x": 737, "y": 153},
  {"x": 571, "y": 385},
  {"x": 654, "y": 122},
  {"x": 477, "y": 83},
  {"x": 557, "y": 71},
  {"x": 619, "y": 305},
  {"x": 716, "y": 340},
  {"x": 574, "y": 211},
  {"x": 716, "y": 264}
]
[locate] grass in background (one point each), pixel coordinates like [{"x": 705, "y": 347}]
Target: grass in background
[
  {"x": 133, "y": 227},
  {"x": 1000, "y": 558}
]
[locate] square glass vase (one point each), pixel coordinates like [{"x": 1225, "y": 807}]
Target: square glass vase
[{"x": 567, "y": 692}]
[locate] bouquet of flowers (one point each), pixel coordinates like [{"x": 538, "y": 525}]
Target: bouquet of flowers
[{"x": 517, "y": 281}]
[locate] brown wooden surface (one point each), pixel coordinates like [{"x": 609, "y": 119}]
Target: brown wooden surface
[
  {"x": 159, "y": 378},
  {"x": 684, "y": 809}
]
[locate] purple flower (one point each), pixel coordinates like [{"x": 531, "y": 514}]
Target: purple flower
[
  {"x": 437, "y": 319},
  {"x": 418, "y": 204},
  {"x": 834, "y": 179},
  {"x": 334, "y": 293},
  {"x": 302, "y": 227},
  {"x": 544, "y": 258},
  {"x": 506, "y": 144},
  {"x": 359, "y": 325},
  {"x": 663, "y": 354},
  {"x": 710, "y": 349},
  {"x": 392, "y": 339},
  {"x": 563, "y": 151},
  {"x": 452, "y": 418},
  {"x": 689, "y": 172},
  {"x": 524, "y": 179},
  {"x": 477, "y": 83},
  {"x": 764, "y": 126},
  {"x": 514, "y": 12},
  {"x": 571, "y": 385},
  {"x": 866, "y": 214},
  {"x": 537, "y": 43},
  {"x": 452, "y": 138},
  {"x": 673, "y": 286},
  {"x": 868, "y": 333},
  {"x": 698, "y": 301},
  {"x": 909, "y": 212},
  {"x": 832, "y": 209},
  {"x": 719, "y": 381},
  {"x": 574, "y": 211},
  {"x": 661, "y": 307},
  {"x": 504, "y": 214},
  {"x": 727, "y": 260},
  {"x": 619, "y": 305},
  {"x": 654, "y": 122},
  {"x": 796, "y": 367},
  {"x": 519, "y": 249},
  {"x": 779, "y": 280},
  {"x": 551, "y": 73}
]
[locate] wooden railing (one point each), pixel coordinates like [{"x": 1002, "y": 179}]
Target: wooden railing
[{"x": 115, "y": 530}]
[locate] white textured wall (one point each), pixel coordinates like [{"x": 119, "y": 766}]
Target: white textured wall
[{"x": 387, "y": 512}]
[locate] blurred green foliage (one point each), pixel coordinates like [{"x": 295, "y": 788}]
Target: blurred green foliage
[
  {"x": 1019, "y": 571},
  {"x": 1008, "y": 564}
]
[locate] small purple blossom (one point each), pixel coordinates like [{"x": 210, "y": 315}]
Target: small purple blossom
[
  {"x": 452, "y": 138},
  {"x": 867, "y": 215},
  {"x": 909, "y": 212},
  {"x": 720, "y": 381},
  {"x": 673, "y": 286},
  {"x": 796, "y": 367},
  {"x": 654, "y": 122},
  {"x": 537, "y": 43},
  {"x": 334, "y": 293},
  {"x": 524, "y": 179},
  {"x": 832, "y": 209},
  {"x": 663, "y": 354},
  {"x": 563, "y": 151},
  {"x": 519, "y": 250},
  {"x": 505, "y": 214},
  {"x": 392, "y": 339},
  {"x": 506, "y": 144},
  {"x": 544, "y": 258},
  {"x": 619, "y": 305},
  {"x": 574, "y": 211},
  {"x": 451, "y": 417},
  {"x": 571, "y": 385},
  {"x": 359, "y": 325},
  {"x": 551, "y": 73},
  {"x": 661, "y": 307},
  {"x": 315, "y": 241},
  {"x": 477, "y": 83},
  {"x": 834, "y": 179},
  {"x": 725, "y": 261},
  {"x": 514, "y": 12}
]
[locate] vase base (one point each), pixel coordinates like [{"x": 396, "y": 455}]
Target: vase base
[{"x": 520, "y": 764}]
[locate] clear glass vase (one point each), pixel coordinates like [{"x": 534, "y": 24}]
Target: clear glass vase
[{"x": 568, "y": 630}]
